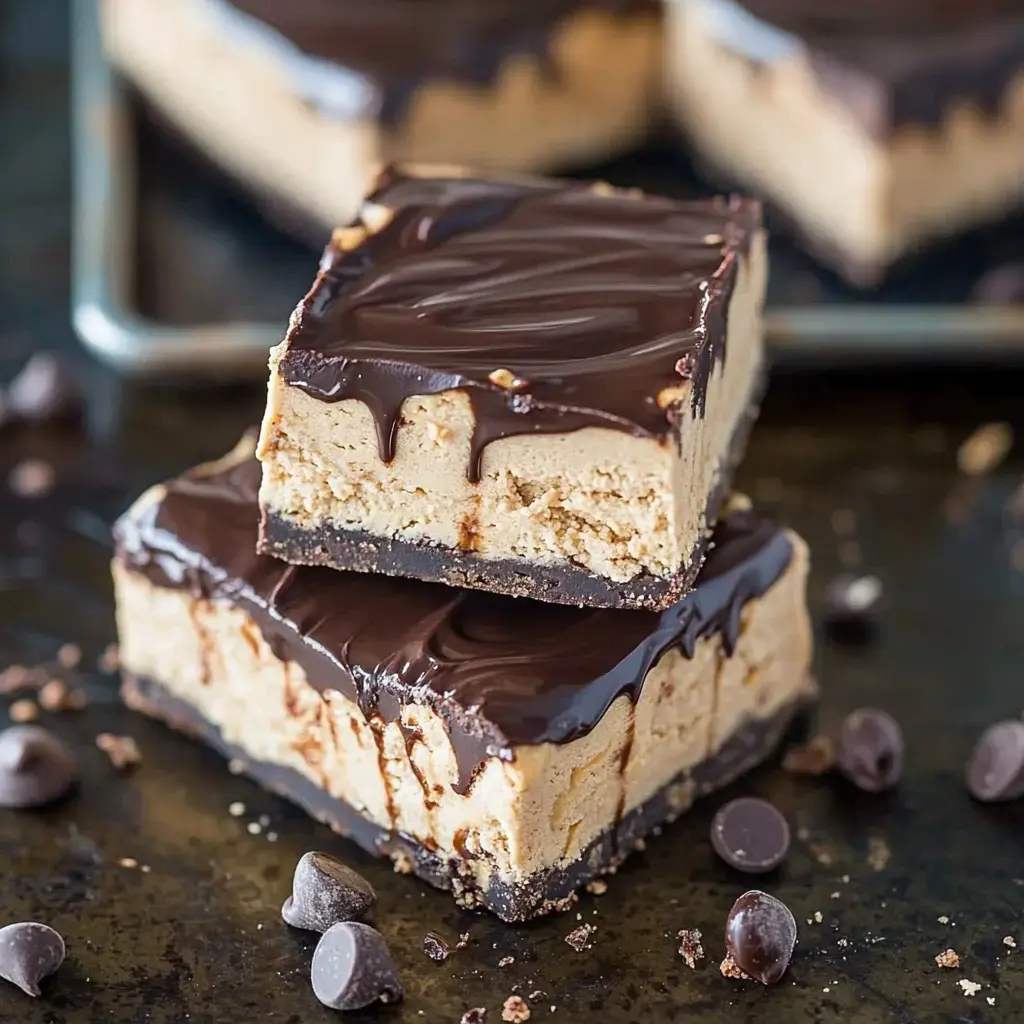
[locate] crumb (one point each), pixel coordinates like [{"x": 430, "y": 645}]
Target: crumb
[
  {"x": 817, "y": 917},
  {"x": 639, "y": 845},
  {"x": 69, "y": 655},
  {"x": 842, "y": 943},
  {"x": 815, "y": 758},
  {"x": 820, "y": 854},
  {"x": 23, "y": 710},
  {"x": 597, "y": 887},
  {"x": 31, "y": 478},
  {"x": 537, "y": 993},
  {"x": 237, "y": 809},
  {"x": 110, "y": 659},
  {"x": 991, "y": 1000},
  {"x": 985, "y": 449},
  {"x": 123, "y": 751},
  {"x": 515, "y": 1010},
  {"x": 463, "y": 941},
  {"x": 128, "y": 862},
  {"x": 970, "y": 987},
  {"x": 506, "y": 961},
  {"x": 730, "y": 969},
  {"x": 948, "y": 958},
  {"x": 264, "y": 820},
  {"x": 403, "y": 862},
  {"x": 943, "y": 919},
  {"x": 690, "y": 948},
  {"x": 254, "y": 828},
  {"x": 845, "y": 879},
  {"x": 55, "y": 696},
  {"x": 1008, "y": 941},
  {"x": 236, "y": 766},
  {"x": 579, "y": 938},
  {"x": 475, "y": 1015},
  {"x": 878, "y": 853},
  {"x": 17, "y": 677},
  {"x": 145, "y": 869},
  {"x": 835, "y": 895},
  {"x": 436, "y": 947}
]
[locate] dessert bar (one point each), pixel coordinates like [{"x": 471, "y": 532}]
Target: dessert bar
[
  {"x": 300, "y": 99},
  {"x": 537, "y": 388},
  {"x": 506, "y": 749},
  {"x": 874, "y": 126}
]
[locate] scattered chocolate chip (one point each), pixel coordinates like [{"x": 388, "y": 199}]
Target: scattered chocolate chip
[
  {"x": 436, "y": 947},
  {"x": 515, "y": 1010},
  {"x": 475, "y": 1015},
  {"x": 869, "y": 751},
  {"x": 29, "y": 952},
  {"x": 579, "y": 938},
  {"x": 995, "y": 770},
  {"x": 985, "y": 449},
  {"x": 751, "y": 835},
  {"x": 35, "y": 767},
  {"x": 352, "y": 968},
  {"x": 1000, "y": 286},
  {"x": 814, "y": 758},
  {"x": 55, "y": 696},
  {"x": 325, "y": 892},
  {"x": 760, "y": 934},
  {"x": 23, "y": 710},
  {"x": 45, "y": 391},
  {"x": 948, "y": 958},
  {"x": 123, "y": 751},
  {"x": 32, "y": 478},
  {"x": 690, "y": 948}
]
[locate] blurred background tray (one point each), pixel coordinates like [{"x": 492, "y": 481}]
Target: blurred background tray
[{"x": 176, "y": 272}]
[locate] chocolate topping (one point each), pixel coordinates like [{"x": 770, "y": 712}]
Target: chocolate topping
[
  {"x": 370, "y": 56},
  {"x": 891, "y": 63},
  {"x": 760, "y": 934},
  {"x": 501, "y": 672},
  {"x": 551, "y": 305}
]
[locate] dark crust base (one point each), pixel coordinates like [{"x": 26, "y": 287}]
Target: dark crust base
[
  {"x": 539, "y": 894},
  {"x": 356, "y": 551}
]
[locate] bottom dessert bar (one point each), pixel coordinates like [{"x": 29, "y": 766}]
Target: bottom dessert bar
[{"x": 502, "y": 748}]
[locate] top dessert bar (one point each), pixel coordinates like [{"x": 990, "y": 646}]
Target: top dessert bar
[{"x": 537, "y": 388}]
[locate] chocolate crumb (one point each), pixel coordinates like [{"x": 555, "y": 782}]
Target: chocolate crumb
[
  {"x": 69, "y": 655},
  {"x": 690, "y": 948},
  {"x": 123, "y": 751},
  {"x": 436, "y": 947},
  {"x": 948, "y": 958},
  {"x": 110, "y": 659},
  {"x": 474, "y": 1015},
  {"x": 730, "y": 969},
  {"x": 579, "y": 938},
  {"x": 597, "y": 887},
  {"x": 506, "y": 961},
  {"x": 31, "y": 478},
  {"x": 985, "y": 449},
  {"x": 816, "y": 757},
  {"x": 515, "y": 1010},
  {"x": 23, "y": 710}
]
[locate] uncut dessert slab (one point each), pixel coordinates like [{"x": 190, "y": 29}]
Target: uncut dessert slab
[{"x": 199, "y": 933}]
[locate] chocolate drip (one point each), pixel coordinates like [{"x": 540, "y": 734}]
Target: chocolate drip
[
  {"x": 891, "y": 63},
  {"x": 396, "y": 46},
  {"x": 501, "y": 672},
  {"x": 590, "y": 305}
]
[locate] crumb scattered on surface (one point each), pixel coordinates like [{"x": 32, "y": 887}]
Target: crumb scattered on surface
[
  {"x": 817, "y": 917},
  {"x": 23, "y": 710},
  {"x": 948, "y": 958},
  {"x": 254, "y": 828},
  {"x": 474, "y": 1015},
  {"x": 128, "y": 862},
  {"x": 31, "y": 478},
  {"x": 1009, "y": 941},
  {"x": 236, "y": 766},
  {"x": 842, "y": 943},
  {"x": 991, "y": 1000},
  {"x": 730, "y": 969},
  {"x": 971, "y": 988},
  {"x": 506, "y": 961},
  {"x": 55, "y": 696},
  {"x": 985, "y": 449},
  {"x": 597, "y": 887},
  {"x": 814, "y": 758},
  {"x": 436, "y": 947},
  {"x": 878, "y": 853},
  {"x": 123, "y": 751},
  {"x": 110, "y": 659},
  {"x": 463, "y": 941},
  {"x": 17, "y": 677},
  {"x": 690, "y": 948},
  {"x": 515, "y": 1010},
  {"x": 237, "y": 809},
  {"x": 579, "y": 938},
  {"x": 271, "y": 837},
  {"x": 943, "y": 919},
  {"x": 403, "y": 862},
  {"x": 69, "y": 655}
]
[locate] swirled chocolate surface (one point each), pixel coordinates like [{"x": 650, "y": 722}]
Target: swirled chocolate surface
[
  {"x": 501, "y": 671},
  {"x": 398, "y": 45},
  {"x": 593, "y": 304},
  {"x": 892, "y": 63}
]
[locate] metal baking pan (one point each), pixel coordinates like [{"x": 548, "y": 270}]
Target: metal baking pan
[{"x": 175, "y": 274}]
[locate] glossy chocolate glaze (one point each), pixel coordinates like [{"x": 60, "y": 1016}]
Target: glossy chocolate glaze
[
  {"x": 593, "y": 303},
  {"x": 398, "y": 45},
  {"x": 891, "y": 62},
  {"x": 500, "y": 671}
]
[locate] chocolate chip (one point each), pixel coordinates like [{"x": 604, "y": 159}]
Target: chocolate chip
[
  {"x": 870, "y": 750},
  {"x": 760, "y": 934},
  {"x": 750, "y": 835},
  {"x": 35, "y": 767},
  {"x": 324, "y": 892},
  {"x": 29, "y": 952},
  {"x": 816, "y": 757},
  {"x": 45, "y": 391},
  {"x": 352, "y": 968},
  {"x": 436, "y": 947},
  {"x": 996, "y": 769}
]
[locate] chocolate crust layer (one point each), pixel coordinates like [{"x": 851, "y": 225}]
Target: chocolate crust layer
[{"x": 542, "y": 893}]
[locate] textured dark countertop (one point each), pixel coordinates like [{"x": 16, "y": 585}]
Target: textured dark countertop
[{"x": 197, "y": 936}]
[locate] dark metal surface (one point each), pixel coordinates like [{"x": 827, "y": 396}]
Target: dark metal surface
[{"x": 198, "y": 938}]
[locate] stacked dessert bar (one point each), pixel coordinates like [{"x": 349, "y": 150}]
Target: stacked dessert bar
[{"x": 478, "y": 597}]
